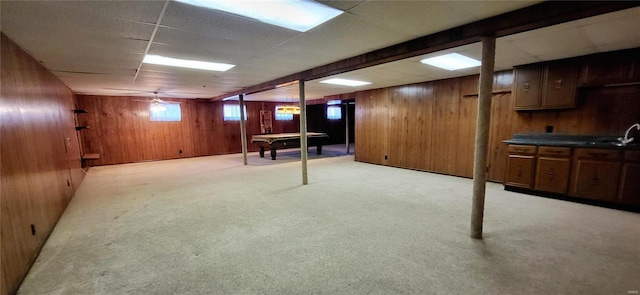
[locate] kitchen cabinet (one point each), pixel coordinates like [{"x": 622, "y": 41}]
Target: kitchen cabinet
[
  {"x": 527, "y": 87},
  {"x": 552, "y": 169},
  {"x": 545, "y": 86},
  {"x": 620, "y": 67},
  {"x": 629, "y": 193},
  {"x": 520, "y": 166},
  {"x": 596, "y": 173}
]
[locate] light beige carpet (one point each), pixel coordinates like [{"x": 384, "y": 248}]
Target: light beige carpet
[{"x": 209, "y": 225}]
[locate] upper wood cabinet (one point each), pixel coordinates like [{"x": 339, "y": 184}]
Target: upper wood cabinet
[
  {"x": 611, "y": 68},
  {"x": 546, "y": 86}
]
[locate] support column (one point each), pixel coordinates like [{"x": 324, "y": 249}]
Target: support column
[
  {"x": 243, "y": 129},
  {"x": 303, "y": 132},
  {"x": 346, "y": 123},
  {"x": 482, "y": 134}
]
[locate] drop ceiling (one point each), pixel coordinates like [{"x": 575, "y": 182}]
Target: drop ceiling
[{"x": 96, "y": 47}]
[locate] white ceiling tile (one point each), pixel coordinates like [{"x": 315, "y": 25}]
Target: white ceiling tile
[
  {"x": 417, "y": 18},
  {"x": 482, "y": 9},
  {"x": 106, "y": 40},
  {"x": 614, "y": 31}
]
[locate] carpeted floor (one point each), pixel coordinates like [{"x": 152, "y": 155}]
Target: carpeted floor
[{"x": 209, "y": 225}]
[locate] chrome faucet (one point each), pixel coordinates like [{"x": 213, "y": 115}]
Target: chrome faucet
[{"x": 626, "y": 138}]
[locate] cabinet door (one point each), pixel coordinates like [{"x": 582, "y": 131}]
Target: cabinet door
[
  {"x": 527, "y": 87},
  {"x": 630, "y": 184},
  {"x": 559, "y": 86},
  {"x": 596, "y": 180},
  {"x": 552, "y": 174},
  {"x": 520, "y": 171}
]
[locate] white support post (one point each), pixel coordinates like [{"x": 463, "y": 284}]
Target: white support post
[
  {"x": 303, "y": 132},
  {"x": 482, "y": 134},
  {"x": 243, "y": 129},
  {"x": 346, "y": 123}
]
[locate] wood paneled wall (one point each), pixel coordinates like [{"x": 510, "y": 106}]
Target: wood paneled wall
[
  {"x": 431, "y": 126},
  {"x": 122, "y": 133},
  {"x": 40, "y": 159},
  {"x": 336, "y": 129}
]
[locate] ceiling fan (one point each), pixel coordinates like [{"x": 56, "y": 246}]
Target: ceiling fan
[
  {"x": 156, "y": 100},
  {"x": 157, "y": 104}
]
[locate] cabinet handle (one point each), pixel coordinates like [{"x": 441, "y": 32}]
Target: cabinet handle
[
  {"x": 597, "y": 155},
  {"x": 519, "y": 171},
  {"x": 551, "y": 174},
  {"x": 559, "y": 83},
  {"x": 526, "y": 87},
  {"x": 595, "y": 178}
]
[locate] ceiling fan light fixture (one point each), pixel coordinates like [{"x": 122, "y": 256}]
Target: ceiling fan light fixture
[
  {"x": 288, "y": 110},
  {"x": 451, "y": 61},
  {"x": 298, "y": 15},
  {"x": 157, "y": 106},
  {"x": 186, "y": 63},
  {"x": 345, "y": 82}
]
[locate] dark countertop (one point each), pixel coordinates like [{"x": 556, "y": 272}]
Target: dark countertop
[{"x": 581, "y": 141}]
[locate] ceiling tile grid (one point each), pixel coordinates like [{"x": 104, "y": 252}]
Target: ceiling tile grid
[{"x": 95, "y": 47}]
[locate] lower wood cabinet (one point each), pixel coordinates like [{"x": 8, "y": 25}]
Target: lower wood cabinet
[
  {"x": 606, "y": 175},
  {"x": 596, "y": 174},
  {"x": 552, "y": 171},
  {"x": 520, "y": 166},
  {"x": 629, "y": 193}
]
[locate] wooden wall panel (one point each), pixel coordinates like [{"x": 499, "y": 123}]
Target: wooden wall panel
[
  {"x": 410, "y": 114},
  {"x": 467, "y": 126},
  {"x": 40, "y": 159},
  {"x": 122, "y": 133},
  {"x": 445, "y": 127},
  {"x": 502, "y": 114},
  {"x": 371, "y": 126}
]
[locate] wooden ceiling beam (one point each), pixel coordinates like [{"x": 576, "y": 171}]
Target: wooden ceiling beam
[{"x": 529, "y": 18}]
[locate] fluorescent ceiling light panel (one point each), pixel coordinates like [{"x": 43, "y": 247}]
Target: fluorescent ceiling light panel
[
  {"x": 451, "y": 61},
  {"x": 346, "y": 82},
  {"x": 298, "y": 15},
  {"x": 185, "y": 63}
]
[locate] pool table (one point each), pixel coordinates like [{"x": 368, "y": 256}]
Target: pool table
[{"x": 287, "y": 140}]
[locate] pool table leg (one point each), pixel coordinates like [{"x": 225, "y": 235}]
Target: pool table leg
[
  {"x": 319, "y": 149},
  {"x": 261, "y": 152},
  {"x": 273, "y": 154}
]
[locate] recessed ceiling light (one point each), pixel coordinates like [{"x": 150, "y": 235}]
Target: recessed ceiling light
[
  {"x": 299, "y": 15},
  {"x": 346, "y": 82},
  {"x": 451, "y": 61},
  {"x": 185, "y": 63}
]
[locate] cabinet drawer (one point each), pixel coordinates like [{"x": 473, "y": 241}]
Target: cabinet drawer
[
  {"x": 554, "y": 151},
  {"x": 598, "y": 154},
  {"x": 522, "y": 149},
  {"x": 633, "y": 156}
]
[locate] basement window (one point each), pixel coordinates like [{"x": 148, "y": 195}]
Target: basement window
[
  {"x": 170, "y": 112},
  {"x": 334, "y": 113},
  {"x": 231, "y": 112}
]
